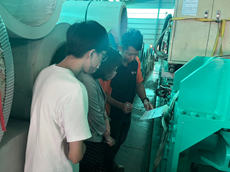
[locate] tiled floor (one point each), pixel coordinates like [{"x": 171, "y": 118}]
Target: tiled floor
[{"x": 131, "y": 152}]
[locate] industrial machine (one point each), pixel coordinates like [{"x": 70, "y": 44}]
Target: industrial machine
[
  {"x": 193, "y": 83},
  {"x": 195, "y": 129},
  {"x": 198, "y": 28}
]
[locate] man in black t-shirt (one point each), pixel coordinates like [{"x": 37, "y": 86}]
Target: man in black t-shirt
[{"x": 124, "y": 85}]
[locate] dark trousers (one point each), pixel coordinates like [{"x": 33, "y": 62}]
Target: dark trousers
[
  {"x": 119, "y": 131},
  {"x": 93, "y": 160}
]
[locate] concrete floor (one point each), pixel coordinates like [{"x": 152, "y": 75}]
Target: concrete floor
[{"x": 131, "y": 154}]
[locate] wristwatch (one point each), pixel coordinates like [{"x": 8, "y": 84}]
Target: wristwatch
[{"x": 144, "y": 99}]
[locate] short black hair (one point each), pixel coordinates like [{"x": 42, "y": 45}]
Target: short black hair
[
  {"x": 113, "y": 60},
  {"x": 85, "y": 36},
  {"x": 132, "y": 37}
]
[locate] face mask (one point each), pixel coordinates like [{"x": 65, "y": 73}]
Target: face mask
[{"x": 93, "y": 69}]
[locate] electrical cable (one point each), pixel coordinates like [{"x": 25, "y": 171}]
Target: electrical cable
[
  {"x": 164, "y": 27},
  {"x": 167, "y": 116},
  {"x": 219, "y": 34},
  {"x": 86, "y": 11}
]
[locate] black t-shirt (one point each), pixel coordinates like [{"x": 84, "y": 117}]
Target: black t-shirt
[{"x": 123, "y": 89}]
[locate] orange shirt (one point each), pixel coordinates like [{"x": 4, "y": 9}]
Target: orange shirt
[
  {"x": 139, "y": 74},
  {"x": 107, "y": 89}
]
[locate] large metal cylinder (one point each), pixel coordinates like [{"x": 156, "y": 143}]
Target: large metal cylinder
[
  {"x": 30, "y": 19},
  {"x": 30, "y": 57},
  {"x": 112, "y": 15}
]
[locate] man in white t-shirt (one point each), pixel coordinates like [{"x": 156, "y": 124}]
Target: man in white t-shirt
[{"x": 60, "y": 103}]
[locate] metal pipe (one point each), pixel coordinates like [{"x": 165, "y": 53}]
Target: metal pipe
[{"x": 158, "y": 14}]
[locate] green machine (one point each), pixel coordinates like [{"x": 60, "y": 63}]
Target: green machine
[{"x": 196, "y": 135}]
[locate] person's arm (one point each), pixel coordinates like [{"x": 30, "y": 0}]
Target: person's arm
[
  {"x": 76, "y": 151},
  {"x": 73, "y": 120},
  {"x": 125, "y": 107},
  {"x": 141, "y": 89},
  {"x": 95, "y": 114},
  {"x": 107, "y": 120},
  {"x": 109, "y": 140},
  {"x": 142, "y": 94},
  {"x": 107, "y": 89}
]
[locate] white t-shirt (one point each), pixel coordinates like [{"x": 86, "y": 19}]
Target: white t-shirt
[{"x": 59, "y": 111}]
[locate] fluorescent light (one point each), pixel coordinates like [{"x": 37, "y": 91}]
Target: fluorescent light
[
  {"x": 170, "y": 11},
  {"x": 146, "y": 16},
  {"x": 138, "y": 11},
  {"x": 165, "y": 12},
  {"x": 148, "y": 13}
]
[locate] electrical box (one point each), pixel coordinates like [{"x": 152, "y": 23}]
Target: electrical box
[{"x": 192, "y": 38}]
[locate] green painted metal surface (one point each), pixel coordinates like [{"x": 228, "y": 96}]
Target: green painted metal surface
[{"x": 201, "y": 113}]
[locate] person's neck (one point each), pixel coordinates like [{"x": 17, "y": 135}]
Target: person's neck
[
  {"x": 124, "y": 62},
  {"x": 72, "y": 63}
]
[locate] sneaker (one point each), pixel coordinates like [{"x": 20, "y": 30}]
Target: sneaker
[{"x": 117, "y": 167}]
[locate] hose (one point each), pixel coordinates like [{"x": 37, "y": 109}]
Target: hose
[
  {"x": 164, "y": 27},
  {"x": 167, "y": 116}
]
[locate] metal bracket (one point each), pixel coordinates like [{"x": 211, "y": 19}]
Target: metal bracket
[
  {"x": 206, "y": 14},
  {"x": 218, "y": 14}
]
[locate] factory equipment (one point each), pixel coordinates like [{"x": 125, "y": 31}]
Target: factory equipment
[
  {"x": 30, "y": 57},
  {"x": 196, "y": 127},
  {"x": 6, "y": 77},
  {"x": 113, "y": 16},
  {"x": 147, "y": 59},
  {"x": 30, "y": 19},
  {"x": 198, "y": 28},
  {"x": 195, "y": 131}
]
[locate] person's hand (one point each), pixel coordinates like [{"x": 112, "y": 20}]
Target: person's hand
[
  {"x": 127, "y": 107},
  {"x": 107, "y": 133},
  {"x": 148, "y": 106},
  {"x": 110, "y": 141}
]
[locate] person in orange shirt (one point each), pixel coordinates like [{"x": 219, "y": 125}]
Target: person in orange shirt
[{"x": 120, "y": 92}]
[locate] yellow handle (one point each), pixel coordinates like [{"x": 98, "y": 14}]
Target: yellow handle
[{"x": 222, "y": 36}]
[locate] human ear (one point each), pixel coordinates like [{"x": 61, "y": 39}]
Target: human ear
[{"x": 90, "y": 54}]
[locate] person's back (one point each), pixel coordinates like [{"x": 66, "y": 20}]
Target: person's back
[{"x": 49, "y": 126}]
